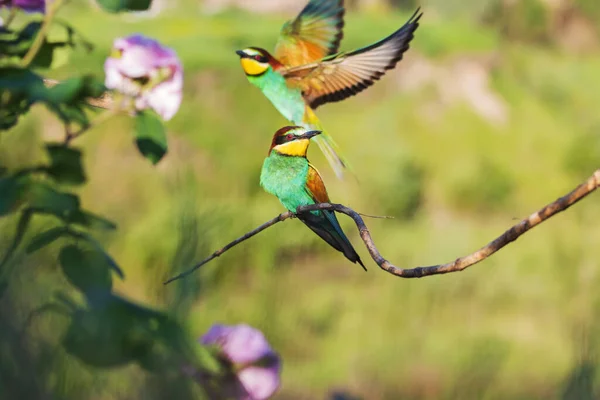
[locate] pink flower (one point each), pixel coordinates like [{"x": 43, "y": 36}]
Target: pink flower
[
  {"x": 256, "y": 364},
  {"x": 148, "y": 72},
  {"x": 26, "y": 5}
]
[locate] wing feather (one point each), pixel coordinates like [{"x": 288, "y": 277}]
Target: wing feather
[
  {"x": 345, "y": 74},
  {"x": 315, "y": 33},
  {"x": 324, "y": 223},
  {"x": 315, "y": 186}
]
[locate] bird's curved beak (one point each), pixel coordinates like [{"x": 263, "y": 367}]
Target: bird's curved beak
[
  {"x": 311, "y": 134},
  {"x": 240, "y": 53}
]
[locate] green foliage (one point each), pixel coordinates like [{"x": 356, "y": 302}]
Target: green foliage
[
  {"x": 65, "y": 164},
  {"x": 18, "y": 88},
  {"x": 44, "y": 198},
  {"x": 125, "y": 5},
  {"x": 67, "y": 99},
  {"x": 86, "y": 269},
  {"x": 150, "y": 136},
  {"x": 43, "y": 239},
  {"x": 12, "y": 190},
  {"x": 22, "y": 225},
  {"x": 109, "y": 330},
  {"x": 90, "y": 220},
  {"x": 14, "y": 45}
]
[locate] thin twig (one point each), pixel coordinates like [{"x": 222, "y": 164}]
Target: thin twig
[
  {"x": 41, "y": 35},
  {"x": 279, "y": 218},
  {"x": 105, "y": 101},
  {"x": 561, "y": 204},
  {"x": 70, "y": 136},
  {"x": 376, "y": 216},
  {"x": 11, "y": 17}
]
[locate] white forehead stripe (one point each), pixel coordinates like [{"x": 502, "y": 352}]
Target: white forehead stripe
[{"x": 251, "y": 52}]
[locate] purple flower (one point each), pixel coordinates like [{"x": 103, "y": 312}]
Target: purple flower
[
  {"x": 26, "y": 5},
  {"x": 148, "y": 72},
  {"x": 256, "y": 365}
]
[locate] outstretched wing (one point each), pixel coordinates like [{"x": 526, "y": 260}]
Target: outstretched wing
[
  {"x": 315, "y": 33},
  {"x": 346, "y": 74}
]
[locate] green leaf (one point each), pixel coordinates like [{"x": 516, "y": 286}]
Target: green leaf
[
  {"x": 12, "y": 194},
  {"x": 67, "y": 99},
  {"x": 21, "y": 81},
  {"x": 92, "y": 221},
  {"x": 150, "y": 136},
  {"x": 17, "y": 44},
  {"x": 96, "y": 338},
  {"x": 44, "y": 198},
  {"x": 44, "y": 239},
  {"x": 115, "y": 6},
  {"x": 65, "y": 164},
  {"x": 19, "y": 234},
  {"x": 86, "y": 269},
  {"x": 18, "y": 90},
  {"x": 45, "y": 58},
  {"x": 94, "y": 243},
  {"x": 112, "y": 332},
  {"x": 3, "y": 288}
]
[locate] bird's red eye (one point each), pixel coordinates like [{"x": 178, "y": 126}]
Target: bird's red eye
[
  {"x": 289, "y": 136},
  {"x": 257, "y": 58}
]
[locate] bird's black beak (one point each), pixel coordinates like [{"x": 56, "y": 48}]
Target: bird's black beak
[
  {"x": 311, "y": 134},
  {"x": 240, "y": 53}
]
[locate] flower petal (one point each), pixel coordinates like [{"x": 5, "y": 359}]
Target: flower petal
[
  {"x": 113, "y": 79},
  {"x": 240, "y": 343},
  {"x": 260, "y": 383},
  {"x": 165, "y": 98},
  {"x": 144, "y": 69},
  {"x": 30, "y": 5}
]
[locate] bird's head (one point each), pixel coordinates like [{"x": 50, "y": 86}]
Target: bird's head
[
  {"x": 255, "y": 61},
  {"x": 292, "y": 141}
]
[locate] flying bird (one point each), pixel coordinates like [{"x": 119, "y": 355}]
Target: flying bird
[
  {"x": 287, "y": 174},
  {"x": 306, "y": 70}
]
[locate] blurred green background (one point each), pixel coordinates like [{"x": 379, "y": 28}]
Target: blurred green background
[{"x": 493, "y": 113}]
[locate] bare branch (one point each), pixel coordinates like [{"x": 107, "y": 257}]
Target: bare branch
[
  {"x": 105, "y": 101},
  {"x": 561, "y": 204},
  {"x": 279, "y": 218}
]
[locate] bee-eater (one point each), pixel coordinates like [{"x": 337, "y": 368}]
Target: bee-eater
[
  {"x": 287, "y": 174},
  {"x": 306, "y": 70}
]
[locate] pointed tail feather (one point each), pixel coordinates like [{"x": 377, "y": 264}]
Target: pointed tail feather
[
  {"x": 327, "y": 145},
  {"x": 325, "y": 225},
  {"x": 329, "y": 149}
]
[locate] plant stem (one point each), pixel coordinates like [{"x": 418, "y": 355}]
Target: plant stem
[
  {"x": 41, "y": 36},
  {"x": 70, "y": 136},
  {"x": 11, "y": 16}
]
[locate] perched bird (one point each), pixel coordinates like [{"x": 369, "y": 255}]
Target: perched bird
[
  {"x": 287, "y": 174},
  {"x": 306, "y": 70}
]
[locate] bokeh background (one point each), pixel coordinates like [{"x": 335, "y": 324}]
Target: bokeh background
[{"x": 493, "y": 113}]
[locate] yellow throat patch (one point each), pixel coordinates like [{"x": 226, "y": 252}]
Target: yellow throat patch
[
  {"x": 253, "y": 67},
  {"x": 297, "y": 148}
]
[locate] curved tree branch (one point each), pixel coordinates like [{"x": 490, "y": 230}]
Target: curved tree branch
[{"x": 561, "y": 204}]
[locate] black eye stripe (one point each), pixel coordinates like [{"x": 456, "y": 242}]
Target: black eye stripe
[
  {"x": 259, "y": 58},
  {"x": 284, "y": 138}
]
